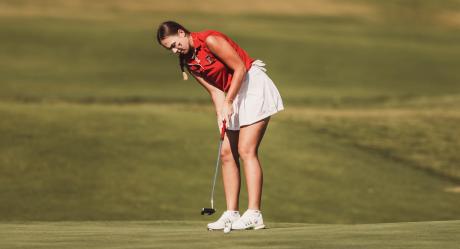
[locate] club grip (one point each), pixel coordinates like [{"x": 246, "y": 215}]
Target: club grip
[{"x": 224, "y": 127}]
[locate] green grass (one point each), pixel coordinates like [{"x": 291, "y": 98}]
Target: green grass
[
  {"x": 423, "y": 138},
  {"x": 170, "y": 234},
  {"x": 96, "y": 123},
  {"x": 100, "y": 162},
  {"x": 324, "y": 61}
]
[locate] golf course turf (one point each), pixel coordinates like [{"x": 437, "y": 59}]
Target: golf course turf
[
  {"x": 104, "y": 146},
  {"x": 181, "y": 234}
]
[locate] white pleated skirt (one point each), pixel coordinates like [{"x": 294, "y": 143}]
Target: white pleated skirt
[{"x": 257, "y": 99}]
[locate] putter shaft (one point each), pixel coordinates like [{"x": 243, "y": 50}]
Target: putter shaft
[{"x": 215, "y": 173}]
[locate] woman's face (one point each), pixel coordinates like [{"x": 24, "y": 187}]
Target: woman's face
[{"x": 178, "y": 44}]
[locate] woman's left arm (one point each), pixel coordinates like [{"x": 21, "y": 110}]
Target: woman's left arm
[{"x": 225, "y": 52}]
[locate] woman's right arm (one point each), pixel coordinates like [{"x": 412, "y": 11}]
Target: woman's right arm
[{"x": 217, "y": 96}]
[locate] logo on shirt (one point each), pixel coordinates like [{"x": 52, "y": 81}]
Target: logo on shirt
[{"x": 209, "y": 59}]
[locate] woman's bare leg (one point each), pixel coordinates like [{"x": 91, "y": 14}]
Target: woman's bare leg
[
  {"x": 249, "y": 140},
  {"x": 231, "y": 169}
]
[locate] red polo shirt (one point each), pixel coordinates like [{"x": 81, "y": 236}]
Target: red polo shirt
[{"x": 205, "y": 64}]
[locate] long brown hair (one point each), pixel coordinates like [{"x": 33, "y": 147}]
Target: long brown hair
[{"x": 171, "y": 28}]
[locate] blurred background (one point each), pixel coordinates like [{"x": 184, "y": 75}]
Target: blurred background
[{"x": 97, "y": 124}]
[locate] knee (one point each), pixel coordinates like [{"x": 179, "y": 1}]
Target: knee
[
  {"x": 226, "y": 155},
  {"x": 247, "y": 152}
]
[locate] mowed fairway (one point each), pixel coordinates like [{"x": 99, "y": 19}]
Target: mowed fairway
[
  {"x": 101, "y": 140},
  {"x": 151, "y": 161}
]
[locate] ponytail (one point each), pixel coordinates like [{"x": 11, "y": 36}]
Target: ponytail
[{"x": 182, "y": 64}]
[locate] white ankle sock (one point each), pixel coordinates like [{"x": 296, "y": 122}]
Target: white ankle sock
[{"x": 253, "y": 211}]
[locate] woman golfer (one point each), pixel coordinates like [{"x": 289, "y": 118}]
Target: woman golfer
[{"x": 244, "y": 96}]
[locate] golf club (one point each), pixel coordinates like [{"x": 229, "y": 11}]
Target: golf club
[{"x": 211, "y": 210}]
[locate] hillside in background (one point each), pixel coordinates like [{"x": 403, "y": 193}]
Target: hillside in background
[{"x": 96, "y": 123}]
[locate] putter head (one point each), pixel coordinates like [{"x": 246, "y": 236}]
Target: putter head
[{"x": 207, "y": 211}]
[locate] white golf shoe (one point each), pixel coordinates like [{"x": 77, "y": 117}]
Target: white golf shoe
[
  {"x": 227, "y": 218},
  {"x": 251, "y": 219}
]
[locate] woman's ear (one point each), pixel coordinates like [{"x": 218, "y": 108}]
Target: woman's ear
[{"x": 180, "y": 33}]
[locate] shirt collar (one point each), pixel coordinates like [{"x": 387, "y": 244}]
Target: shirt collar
[
  {"x": 196, "y": 45},
  {"x": 196, "y": 41}
]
